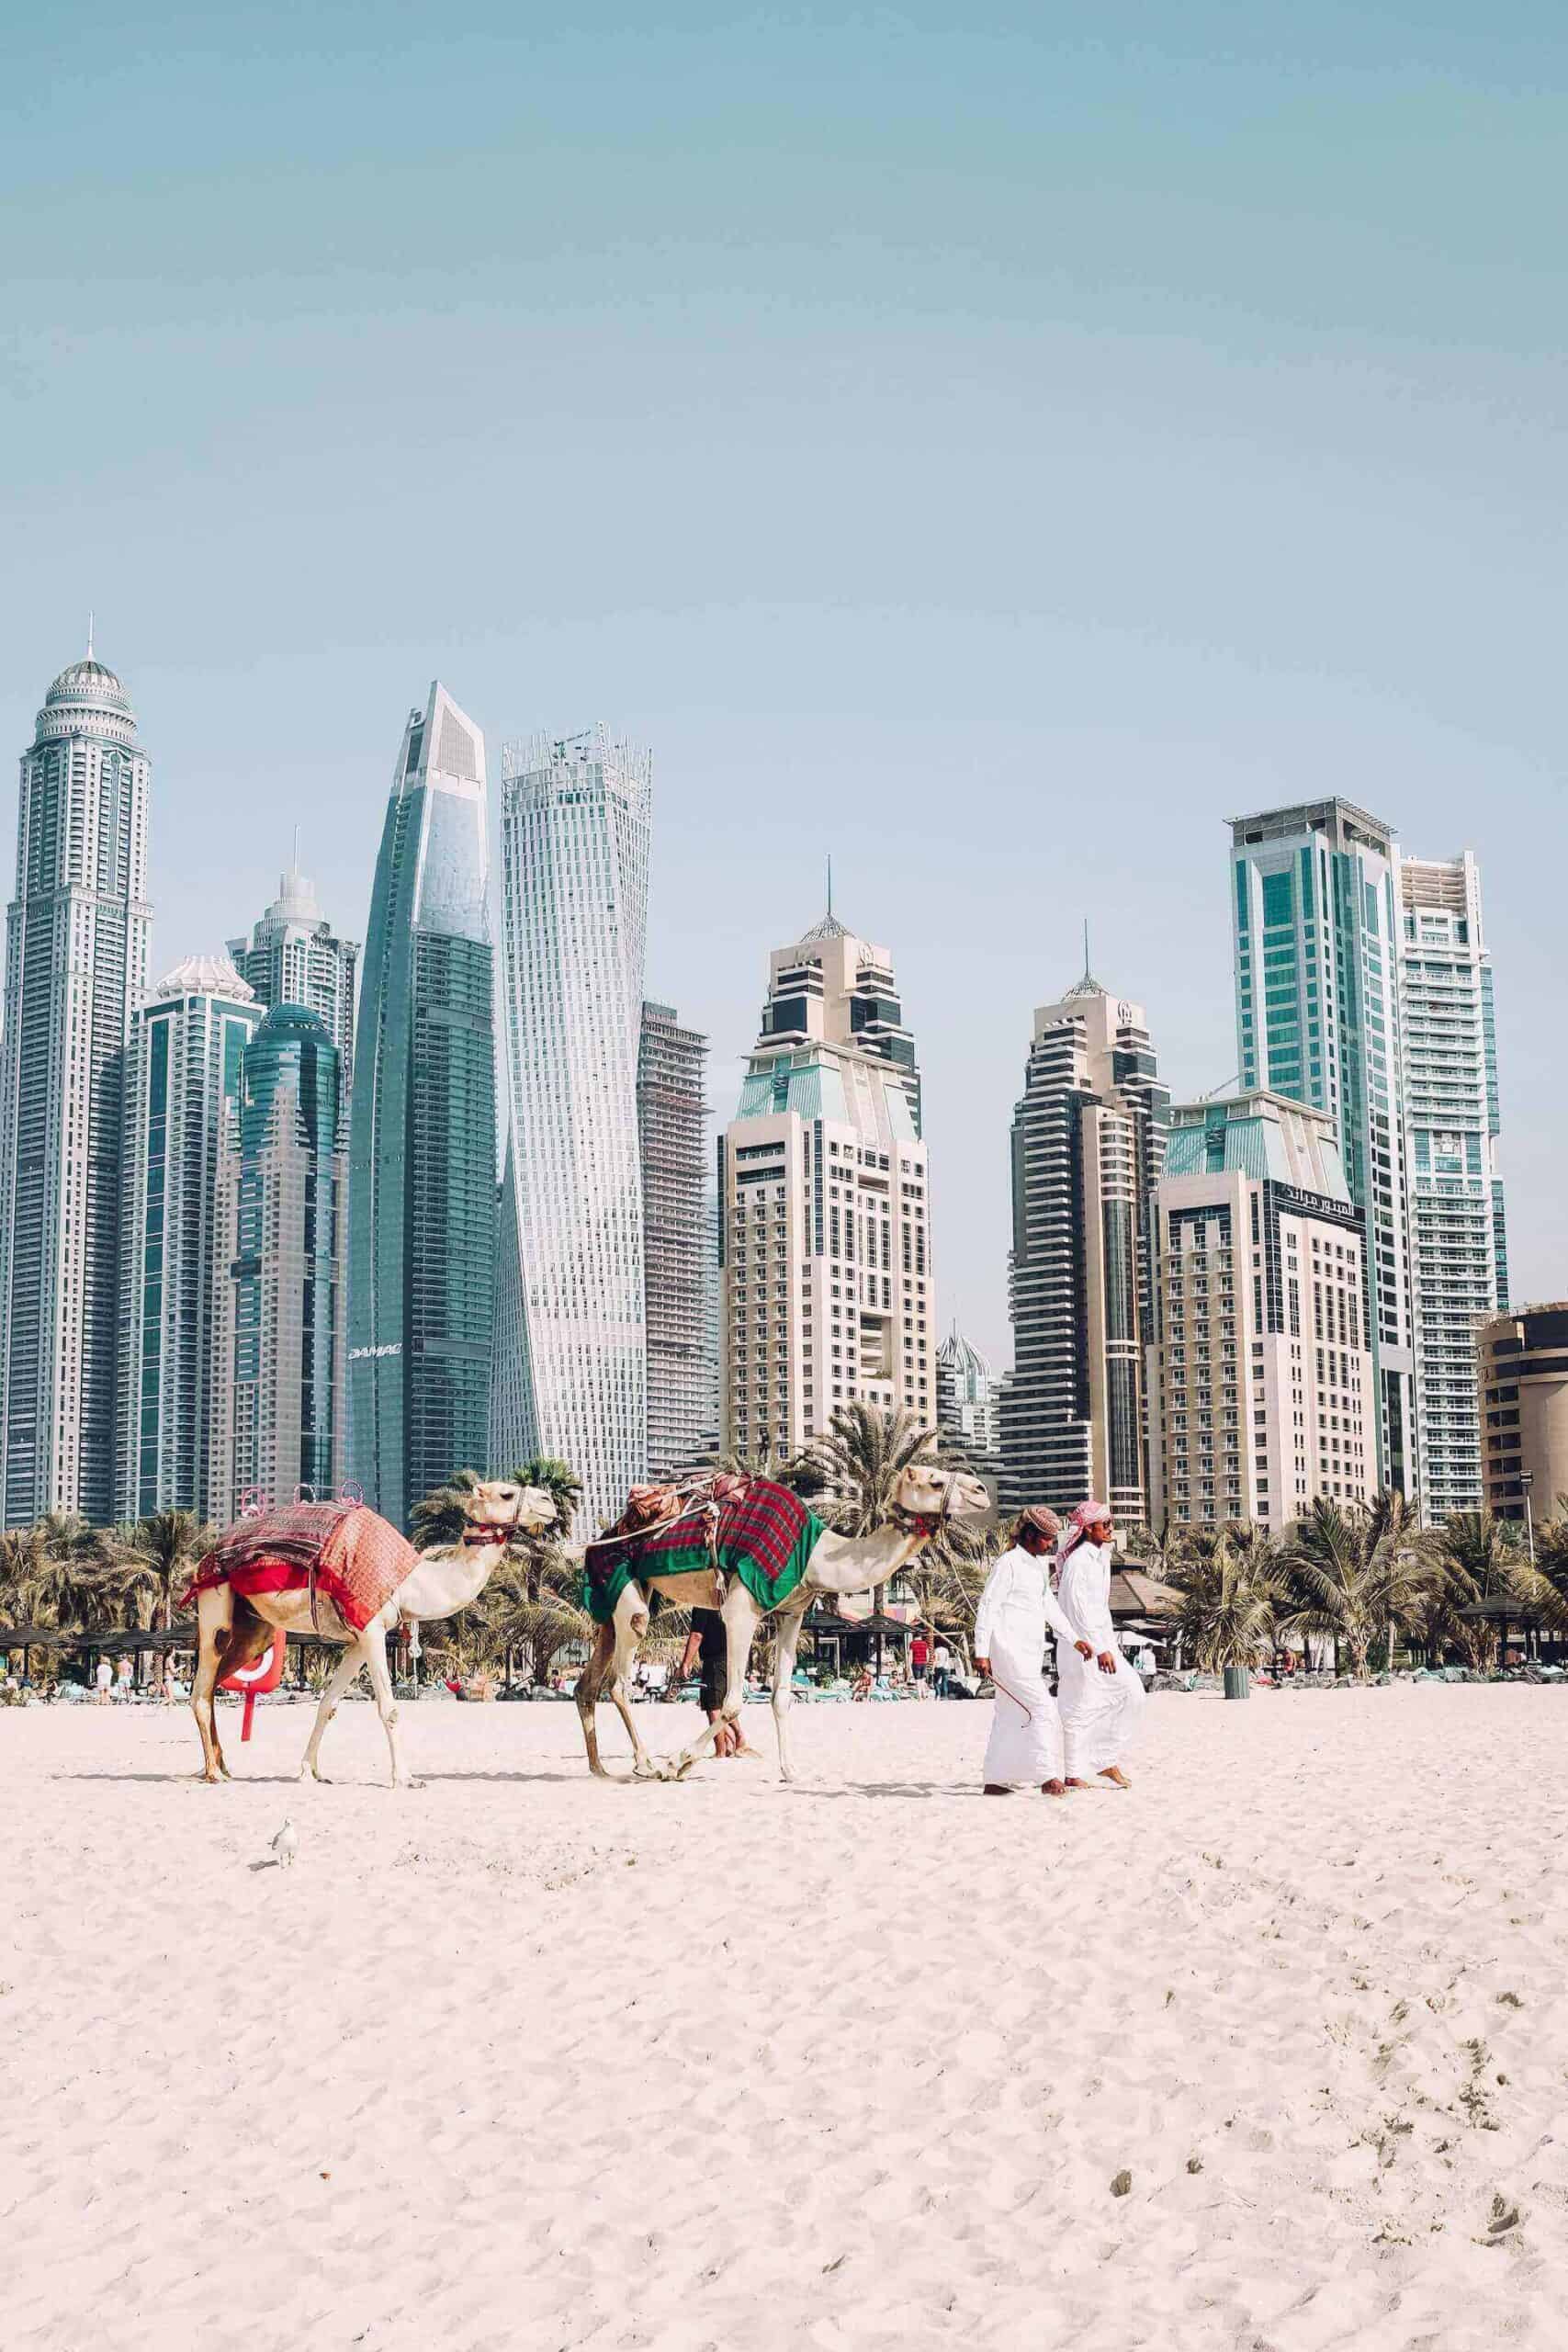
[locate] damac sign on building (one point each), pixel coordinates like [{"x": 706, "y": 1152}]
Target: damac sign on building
[{"x": 392, "y": 1348}]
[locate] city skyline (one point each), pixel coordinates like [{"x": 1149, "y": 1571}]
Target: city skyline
[{"x": 1530, "y": 1239}]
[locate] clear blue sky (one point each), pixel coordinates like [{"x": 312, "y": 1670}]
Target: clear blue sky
[{"x": 992, "y": 443}]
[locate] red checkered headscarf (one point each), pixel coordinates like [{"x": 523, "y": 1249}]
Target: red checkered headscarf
[{"x": 1079, "y": 1524}]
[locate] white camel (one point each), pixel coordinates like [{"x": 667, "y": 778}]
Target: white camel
[
  {"x": 840, "y": 1566},
  {"x": 234, "y": 1628}
]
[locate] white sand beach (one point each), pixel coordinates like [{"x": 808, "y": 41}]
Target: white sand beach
[{"x": 520, "y": 2059}]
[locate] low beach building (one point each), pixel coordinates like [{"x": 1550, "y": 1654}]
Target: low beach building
[{"x": 1524, "y": 1409}]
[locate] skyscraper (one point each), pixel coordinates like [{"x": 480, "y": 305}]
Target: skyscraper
[
  {"x": 75, "y": 965},
  {"x": 1317, "y": 926},
  {"x": 1458, "y": 1267},
  {"x": 1260, "y": 1374},
  {"x": 824, "y": 1246},
  {"x": 422, "y": 1208},
  {"x": 294, "y": 957},
  {"x": 968, "y": 1405},
  {"x": 278, "y": 1418},
  {"x": 572, "y": 1374},
  {"x": 671, "y": 1113},
  {"x": 181, "y": 1099},
  {"x": 1087, "y": 1140}
]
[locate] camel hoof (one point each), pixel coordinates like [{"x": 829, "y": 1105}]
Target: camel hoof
[{"x": 407, "y": 1783}]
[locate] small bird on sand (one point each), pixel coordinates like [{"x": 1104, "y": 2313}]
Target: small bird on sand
[{"x": 286, "y": 1845}]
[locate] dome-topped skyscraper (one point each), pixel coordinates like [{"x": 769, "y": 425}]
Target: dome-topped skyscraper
[
  {"x": 294, "y": 957},
  {"x": 75, "y": 966}
]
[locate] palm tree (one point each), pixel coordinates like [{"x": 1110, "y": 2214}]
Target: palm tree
[
  {"x": 850, "y": 1476},
  {"x": 860, "y": 1459},
  {"x": 1476, "y": 1558},
  {"x": 534, "y": 1599},
  {"x": 536, "y": 1605},
  {"x": 161, "y": 1552},
  {"x": 1232, "y": 1595},
  {"x": 52, "y": 1574},
  {"x": 1353, "y": 1575},
  {"x": 559, "y": 1481}
]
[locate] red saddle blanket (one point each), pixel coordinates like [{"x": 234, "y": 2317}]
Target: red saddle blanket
[{"x": 357, "y": 1559}]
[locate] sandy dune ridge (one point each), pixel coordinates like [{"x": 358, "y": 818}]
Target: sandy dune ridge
[{"x": 522, "y": 2060}]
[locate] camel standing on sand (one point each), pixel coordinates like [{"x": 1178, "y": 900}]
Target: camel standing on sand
[
  {"x": 233, "y": 1628},
  {"x": 839, "y": 1566}
]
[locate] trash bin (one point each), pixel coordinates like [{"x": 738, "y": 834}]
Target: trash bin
[{"x": 1238, "y": 1683}]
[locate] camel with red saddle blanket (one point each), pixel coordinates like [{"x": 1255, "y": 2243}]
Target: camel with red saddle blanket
[
  {"x": 341, "y": 1571},
  {"x": 750, "y": 1549}
]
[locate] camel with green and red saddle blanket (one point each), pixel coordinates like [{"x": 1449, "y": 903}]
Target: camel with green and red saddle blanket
[
  {"x": 750, "y": 1549},
  {"x": 341, "y": 1570}
]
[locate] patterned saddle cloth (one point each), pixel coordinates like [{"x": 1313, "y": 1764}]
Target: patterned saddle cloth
[
  {"x": 358, "y": 1560},
  {"x": 747, "y": 1528}
]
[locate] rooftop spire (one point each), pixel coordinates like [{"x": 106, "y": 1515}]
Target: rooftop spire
[
  {"x": 89, "y": 632},
  {"x": 1089, "y": 984}
]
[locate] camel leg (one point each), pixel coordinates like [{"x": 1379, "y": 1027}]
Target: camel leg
[
  {"x": 604, "y": 1677},
  {"x": 215, "y": 1622},
  {"x": 631, "y": 1623},
  {"x": 785, "y": 1644},
  {"x": 590, "y": 1683},
  {"x": 337, "y": 1683},
  {"x": 742, "y": 1617},
  {"x": 373, "y": 1648}
]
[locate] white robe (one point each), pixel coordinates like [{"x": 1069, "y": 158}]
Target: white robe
[
  {"x": 1016, "y": 1609},
  {"x": 1102, "y": 1713}
]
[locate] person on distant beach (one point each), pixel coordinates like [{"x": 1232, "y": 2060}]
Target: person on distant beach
[
  {"x": 104, "y": 1678},
  {"x": 1016, "y": 1608},
  {"x": 1101, "y": 1696},
  {"x": 942, "y": 1669},
  {"x": 707, "y": 1647},
  {"x": 920, "y": 1656}
]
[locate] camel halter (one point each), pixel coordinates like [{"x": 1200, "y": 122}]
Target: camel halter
[{"x": 925, "y": 1522}]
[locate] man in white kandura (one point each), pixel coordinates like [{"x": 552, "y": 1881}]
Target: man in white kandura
[
  {"x": 1101, "y": 1697},
  {"x": 1017, "y": 1606}
]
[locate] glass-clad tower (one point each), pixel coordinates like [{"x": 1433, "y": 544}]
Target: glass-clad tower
[
  {"x": 1459, "y": 1268},
  {"x": 1315, "y": 904},
  {"x": 75, "y": 965},
  {"x": 422, "y": 1221},
  {"x": 278, "y": 1387},
  {"x": 182, "y": 1097},
  {"x": 571, "y": 1369}
]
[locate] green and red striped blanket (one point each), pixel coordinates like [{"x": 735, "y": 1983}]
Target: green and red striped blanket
[{"x": 760, "y": 1532}]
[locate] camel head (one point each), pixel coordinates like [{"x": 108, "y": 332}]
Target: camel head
[
  {"x": 928, "y": 1492},
  {"x": 499, "y": 1509}
]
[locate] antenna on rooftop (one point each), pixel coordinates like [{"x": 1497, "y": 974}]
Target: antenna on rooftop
[
  {"x": 89, "y": 633},
  {"x": 830, "y": 881},
  {"x": 1086, "y": 969}
]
